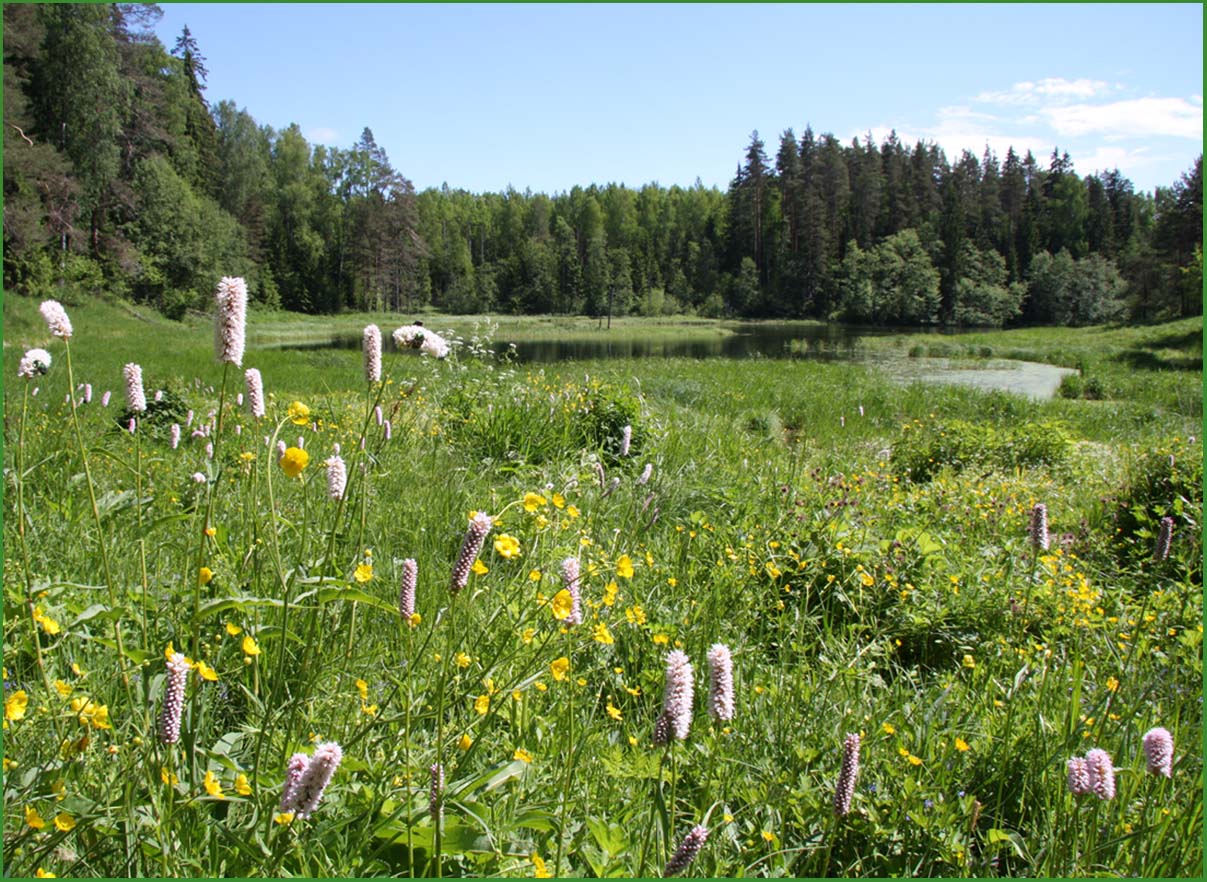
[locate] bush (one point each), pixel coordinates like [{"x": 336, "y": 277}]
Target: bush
[
  {"x": 923, "y": 449},
  {"x": 1166, "y": 481}
]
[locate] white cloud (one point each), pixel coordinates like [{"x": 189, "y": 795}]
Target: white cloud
[
  {"x": 1137, "y": 118},
  {"x": 1107, "y": 158},
  {"x": 322, "y": 136},
  {"x": 1046, "y": 91}
]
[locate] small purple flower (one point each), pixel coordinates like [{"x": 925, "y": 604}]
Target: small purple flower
[
  {"x": 295, "y": 769},
  {"x": 1038, "y": 530},
  {"x": 677, "y": 695},
  {"x": 479, "y": 526},
  {"x": 1101, "y": 773},
  {"x": 323, "y": 763},
  {"x": 406, "y": 595},
  {"x": 1158, "y": 751},
  {"x": 87, "y": 393},
  {"x": 844, "y": 791},
  {"x": 720, "y": 666},
  {"x": 377, "y": 414},
  {"x": 173, "y": 698},
  {"x": 687, "y": 851},
  {"x": 105, "y": 398}
]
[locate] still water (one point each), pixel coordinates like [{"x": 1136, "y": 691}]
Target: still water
[{"x": 770, "y": 340}]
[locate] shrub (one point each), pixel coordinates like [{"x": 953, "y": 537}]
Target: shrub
[
  {"x": 923, "y": 448},
  {"x": 1166, "y": 481}
]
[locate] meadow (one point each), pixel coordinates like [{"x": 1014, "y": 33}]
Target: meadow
[{"x": 866, "y": 552}]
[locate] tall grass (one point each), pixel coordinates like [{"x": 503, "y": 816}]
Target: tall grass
[{"x": 855, "y": 595}]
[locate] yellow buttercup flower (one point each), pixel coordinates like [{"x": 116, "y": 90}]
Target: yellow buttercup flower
[
  {"x": 283, "y": 818},
  {"x": 293, "y": 460},
  {"x": 562, "y": 604},
  {"x": 167, "y": 777},
  {"x": 542, "y": 872},
  {"x": 15, "y": 705},
  {"x": 233, "y": 630},
  {"x": 64, "y": 822},
  {"x": 462, "y": 660},
  {"x": 961, "y": 745},
  {"x": 601, "y": 634},
  {"x": 559, "y": 668},
  {"x": 610, "y": 592},
  {"x": 522, "y": 755},
  {"x": 480, "y": 568},
  {"x": 363, "y": 688},
  {"x": 212, "y": 787},
  {"x": 90, "y": 713},
  {"x": 533, "y": 501},
  {"x": 204, "y": 576},
  {"x": 242, "y": 785},
  {"x": 364, "y": 572},
  {"x": 508, "y": 546},
  {"x": 33, "y": 819},
  {"x": 250, "y": 647},
  {"x": 559, "y": 501},
  {"x": 43, "y": 874},
  {"x": 49, "y": 625},
  {"x": 466, "y": 742},
  {"x": 572, "y": 511},
  {"x": 624, "y": 567},
  {"x": 206, "y": 672},
  {"x": 482, "y": 704},
  {"x": 613, "y": 711},
  {"x": 299, "y": 414}
]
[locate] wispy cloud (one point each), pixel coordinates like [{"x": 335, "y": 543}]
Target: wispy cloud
[
  {"x": 1138, "y": 118},
  {"x": 1046, "y": 91}
]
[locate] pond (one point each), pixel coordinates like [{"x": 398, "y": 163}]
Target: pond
[{"x": 788, "y": 340}]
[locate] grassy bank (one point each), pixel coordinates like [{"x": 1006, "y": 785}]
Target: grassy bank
[{"x": 860, "y": 547}]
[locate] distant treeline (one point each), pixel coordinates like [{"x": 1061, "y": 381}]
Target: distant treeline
[{"x": 120, "y": 177}]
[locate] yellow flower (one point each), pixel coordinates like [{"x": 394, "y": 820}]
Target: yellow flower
[
  {"x": 601, "y": 634},
  {"x": 77, "y": 670},
  {"x": 768, "y": 836},
  {"x": 364, "y": 572},
  {"x": 522, "y": 754},
  {"x": 527, "y": 636},
  {"x": 42, "y": 874},
  {"x": 299, "y": 414},
  {"x": 482, "y": 704},
  {"x": 283, "y": 818},
  {"x": 212, "y": 787},
  {"x": 15, "y": 705},
  {"x": 247, "y": 456},
  {"x": 613, "y": 711},
  {"x": 206, "y": 672},
  {"x": 610, "y": 591},
  {"x": 9, "y": 764},
  {"x": 533, "y": 501},
  {"x": 368, "y": 709},
  {"x": 559, "y": 501},
  {"x": 414, "y": 620},
  {"x": 204, "y": 575},
  {"x": 462, "y": 660},
  {"x": 542, "y": 872},
  {"x": 572, "y": 511},
  {"x": 363, "y": 688},
  {"x": 242, "y": 785},
  {"x": 49, "y": 625},
  {"x": 534, "y": 576},
  {"x": 33, "y": 819},
  {"x": 507, "y": 546},
  {"x": 233, "y": 630},
  {"x": 64, "y": 822},
  {"x": 561, "y": 605},
  {"x": 90, "y": 713},
  {"x": 969, "y": 661},
  {"x": 660, "y": 639},
  {"x": 961, "y": 745},
  {"x": 888, "y": 728},
  {"x": 913, "y": 760},
  {"x": 480, "y": 568},
  {"x": 250, "y": 647},
  {"x": 1112, "y": 684},
  {"x": 624, "y": 567},
  {"x": 539, "y": 686},
  {"x": 559, "y": 668},
  {"x": 466, "y": 742},
  {"x": 635, "y": 614},
  {"x": 167, "y": 777},
  {"x": 293, "y": 460}
]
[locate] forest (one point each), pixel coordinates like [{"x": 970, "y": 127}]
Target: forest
[{"x": 121, "y": 178}]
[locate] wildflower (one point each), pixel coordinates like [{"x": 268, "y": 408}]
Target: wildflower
[
  {"x": 64, "y": 822},
  {"x": 962, "y": 745},
  {"x": 49, "y": 625},
  {"x": 626, "y": 438},
  {"x": 280, "y": 449},
  {"x": 389, "y": 430},
  {"x": 34, "y": 363},
  {"x": 624, "y": 567},
  {"x": 105, "y": 398},
  {"x": 15, "y": 705},
  {"x": 599, "y": 473},
  {"x": 479, "y": 568},
  {"x": 601, "y": 634},
  {"x": 372, "y": 348},
  {"x": 43, "y": 874},
  {"x": 559, "y": 667},
  {"x": 845, "y": 789},
  {"x": 570, "y": 577},
  {"x": 255, "y": 392},
  {"x": 482, "y": 705},
  {"x": 419, "y": 337},
  {"x": 33, "y": 819},
  {"x": 242, "y": 785},
  {"x": 199, "y": 477},
  {"x": 230, "y": 325},
  {"x": 479, "y": 526},
  {"x": 337, "y": 477},
  {"x": 522, "y": 755},
  {"x": 205, "y": 672},
  {"x": 212, "y": 786},
  {"x": 295, "y": 770},
  {"x": 293, "y": 460},
  {"x": 1101, "y": 773},
  {"x": 136, "y": 399},
  {"x": 174, "y": 435},
  {"x": 436, "y": 792},
  {"x": 204, "y": 576},
  {"x": 720, "y": 666},
  {"x": 1078, "y": 775},
  {"x": 613, "y": 711},
  {"x": 687, "y": 851},
  {"x": 508, "y": 546},
  {"x": 466, "y": 742},
  {"x": 56, "y": 318},
  {"x": 250, "y": 647},
  {"x": 676, "y": 698},
  {"x": 1164, "y": 537},
  {"x": 1038, "y": 530},
  {"x": 540, "y": 871},
  {"x": 406, "y": 595},
  {"x": 323, "y": 763},
  {"x": 645, "y": 473},
  {"x": 462, "y": 660},
  {"x": 173, "y": 699},
  {"x": 1158, "y": 751},
  {"x": 533, "y": 501}
]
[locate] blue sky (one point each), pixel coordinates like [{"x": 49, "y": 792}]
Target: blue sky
[{"x": 547, "y": 96}]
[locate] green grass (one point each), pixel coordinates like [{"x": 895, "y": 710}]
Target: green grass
[{"x": 856, "y": 595}]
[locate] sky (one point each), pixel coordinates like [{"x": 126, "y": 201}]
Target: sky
[{"x": 550, "y": 96}]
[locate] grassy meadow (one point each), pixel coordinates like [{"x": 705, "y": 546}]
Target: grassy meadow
[{"x": 860, "y": 546}]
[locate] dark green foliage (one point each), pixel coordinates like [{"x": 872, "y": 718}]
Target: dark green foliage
[
  {"x": 925, "y": 448},
  {"x": 1164, "y": 481}
]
